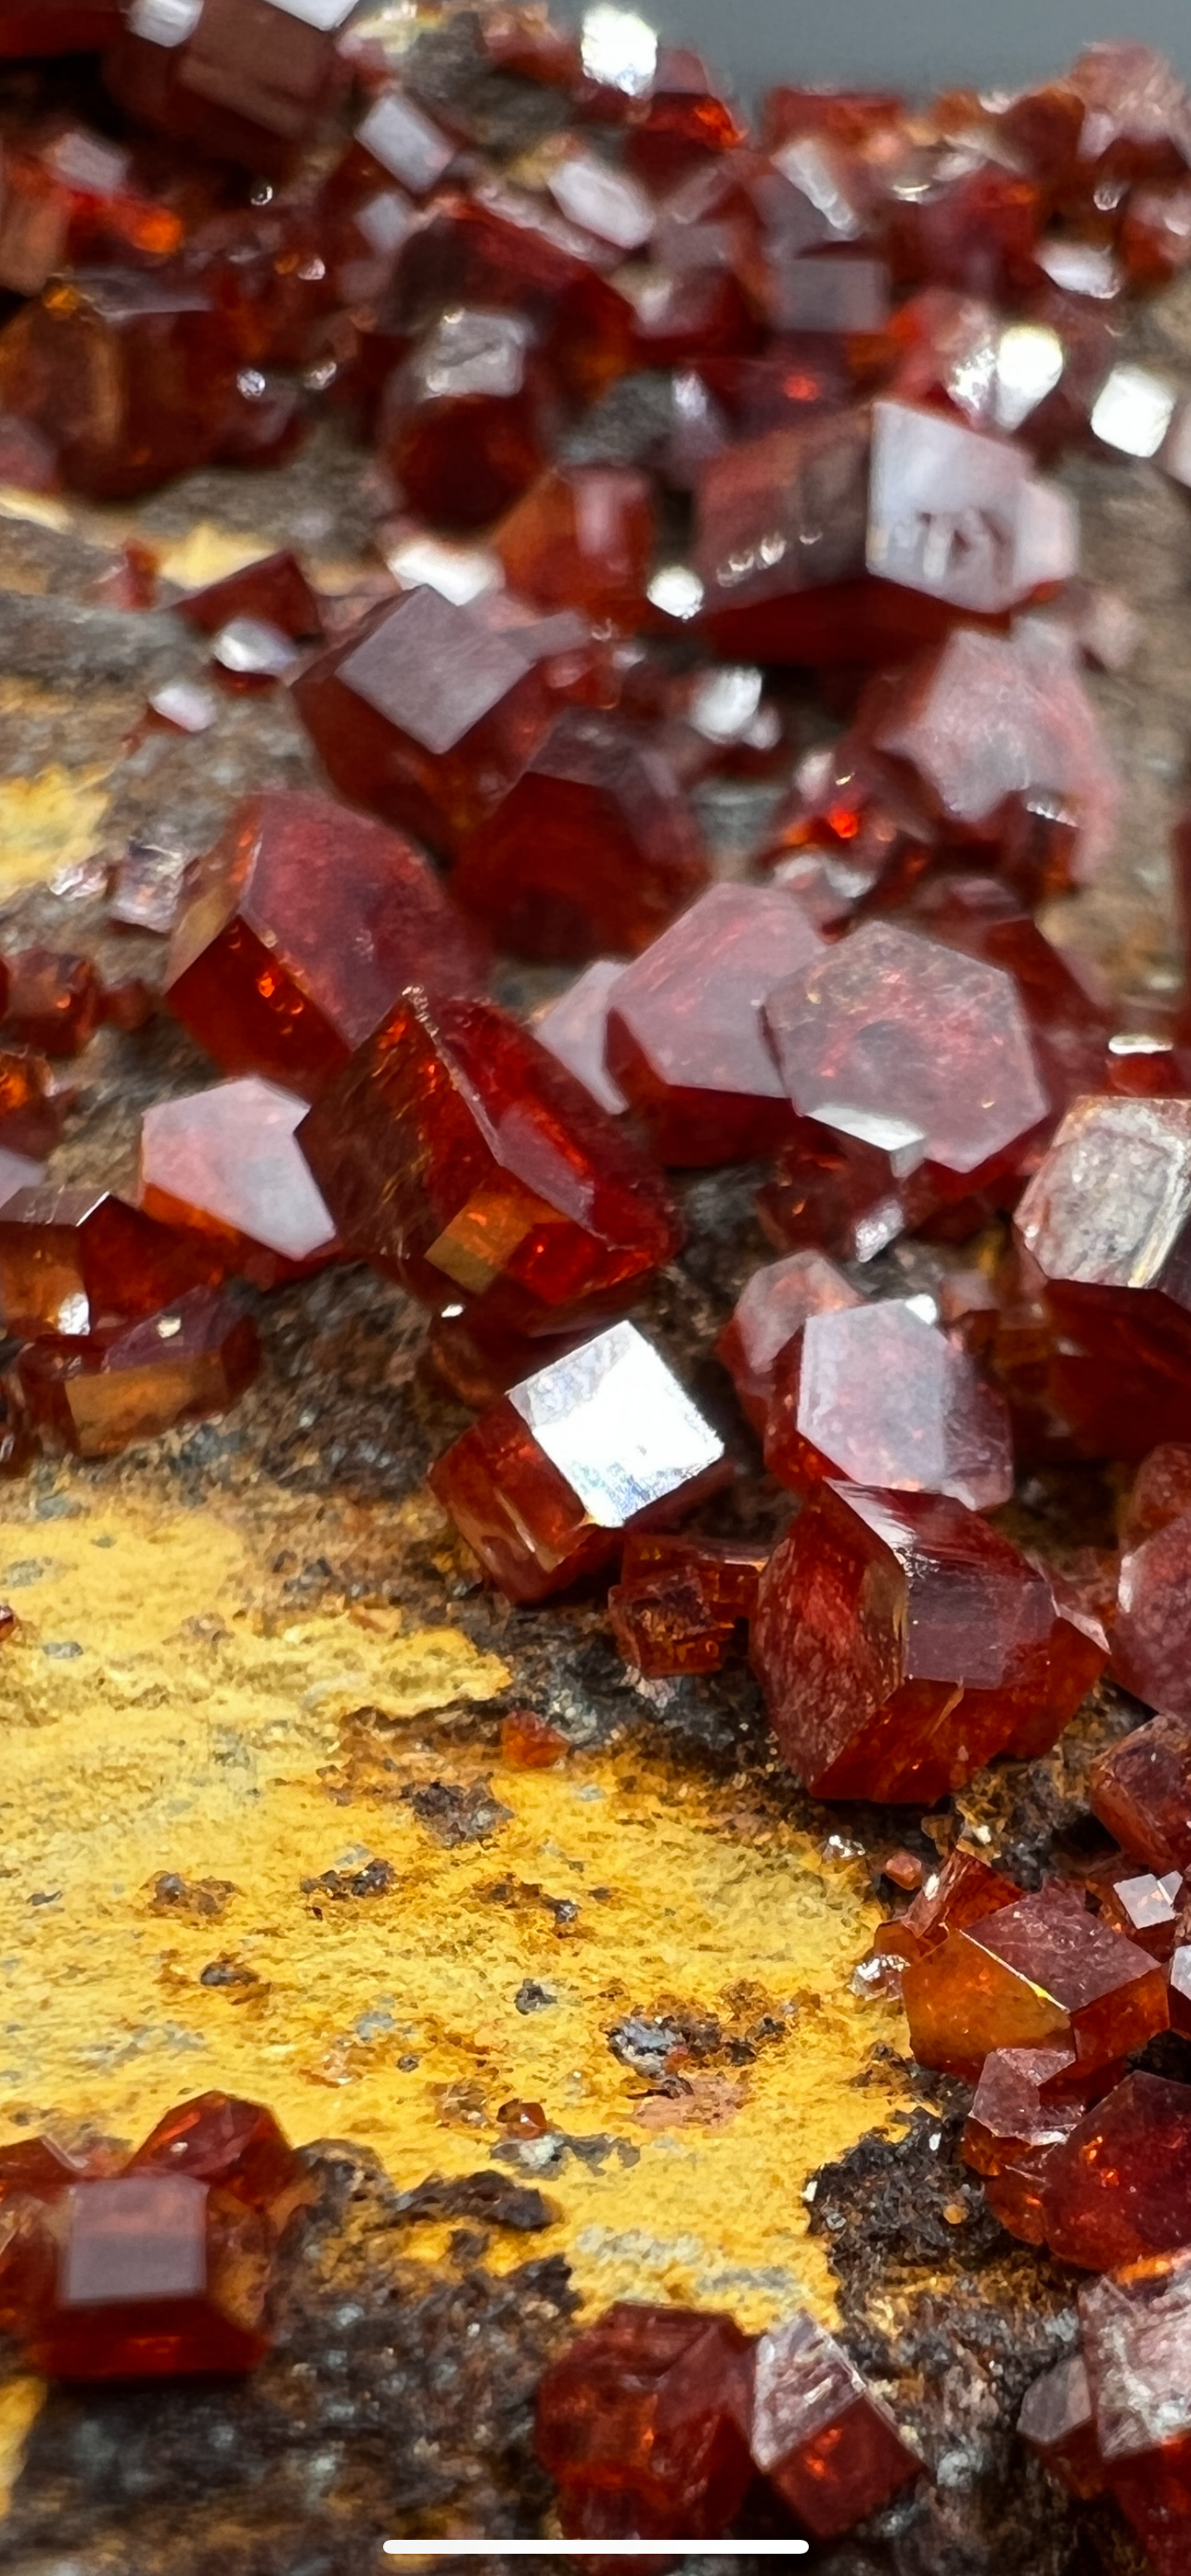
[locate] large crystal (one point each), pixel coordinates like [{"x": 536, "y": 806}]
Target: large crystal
[
  {"x": 298, "y": 932},
  {"x": 644, "y": 2424},
  {"x": 825, "y": 2440},
  {"x": 874, "y": 1395},
  {"x": 1040, "y": 1974},
  {"x": 225, "y": 1161}
]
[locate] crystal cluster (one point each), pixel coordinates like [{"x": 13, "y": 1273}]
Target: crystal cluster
[
  {"x": 654, "y": 408},
  {"x": 657, "y": 2421},
  {"x": 145, "y": 2266}
]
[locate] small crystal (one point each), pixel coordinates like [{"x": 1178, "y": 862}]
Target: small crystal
[
  {"x": 619, "y": 50},
  {"x": 135, "y": 1381},
  {"x": 599, "y": 1442},
  {"x": 225, "y": 1161},
  {"x": 248, "y": 649},
  {"x": 1058, "y": 2424},
  {"x": 1141, "y": 1790},
  {"x": 872, "y": 1395},
  {"x": 770, "y": 1312},
  {"x": 680, "y": 1602},
  {"x": 1133, "y": 411},
  {"x": 1115, "y": 2190},
  {"x": 644, "y": 2422},
  {"x": 685, "y": 1040}
]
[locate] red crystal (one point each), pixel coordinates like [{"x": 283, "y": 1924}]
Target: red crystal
[
  {"x": 901, "y": 1641},
  {"x": 913, "y": 1070},
  {"x": 147, "y": 2276},
  {"x": 1104, "y": 1220},
  {"x": 681, "y": 1602},
  {"x": 457, "y": 1154},
  {"x": 131, "y": 1383},
  {"x": 1137, "y": 2348},
  {"x": 873, "y": 1395},
  {"x": 1116, "y": 2188},
  {"x": 53, "y": 1001},
  {"x": 1145, "y": 1907},
  {"x": 274, "y": 589},
  {"x": 769, "y": 1314},
  {"x": 574, "y": 1028},
  {"x": 464, "y": 422},
  {"x": 299, "y": 930},
  {"x": 644, "y": 2424},
  {"x": 965, "y": 1890},
  {"x": 225, "y": 1161},
  {"x": 600, "y": 1441},
  {"x": 130, "y": 374},
  {"x": 824, "y": 2440},
  {"x": 31, "y": 1113},
  {"x": 235, "y": 2145},
  {"x": 426, "y": 713},
  {"x": 1039, "y": 1974},
  {"x": 529, "y": 1743},
  {"x": 1141, "y": 1790},
  {"x": 593, "y": 848},
  {"x": 247, "y": 79},
  {"x": 77, "y": 1261},
  {"x": 582, "y": 538},
  {"x": 988, "y": 723},
  {"x": 685, "y": 1041},
  {"x": 1023, "y": 2109},
  {"x": 1058, "y": 2424},
  {"x": 1151, "y": 1632}
]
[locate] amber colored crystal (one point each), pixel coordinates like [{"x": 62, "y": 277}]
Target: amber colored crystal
[
  {"x": 509, "y": 251},
  {"x": 1141, "y": 1790},
  {"x": 1151, "y": 1630},
  {"x": 98, "y": 1396},
  {"x": 234, "y": 2145},
  {"x": 769, "y": 1314},
  {"x": 225, "y": 1162},
  {"x": 53, "y": 1001},
  {"x": 826, "y": 2442},
  {"x": 464, "y": 422},
  {"x": 1039, "y": 1974},
  {"x": 75, "y": 1261},
  {"x": 131, "y": 375},
  {"x": 1116, "y": 2189},
  {"x": 575, "y": 1027},
  {"x": 529, "y": 1743},
  {"x": 1058, "y": 2425},
  {"x": 31, "y": 1109},
  {"x": 248, "y": 80},
  {"x": 914, "y": 1067},
  {"x": 681, "y": 1602},
  {"x": 685, "y": 1041},
  {"x": 582, "y": 537},
  {"x": 299, "y": 930},
  {"x": 900, "y": 1642},
  {"x": 426, "y": 713},
  {"x": 601, "y": 1441},
  {"x": 457, "y": 1154},
  {"x": 274, "y": 588},
  {"x": 595, "y": 846},
  {"x": 965, "y": 1890},
  {"x": 643, "y": 2423},
  {"x": 873, "y": 1395}
]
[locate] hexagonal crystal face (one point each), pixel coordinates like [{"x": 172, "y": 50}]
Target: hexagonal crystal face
[{"x": 617, "y": 1425}]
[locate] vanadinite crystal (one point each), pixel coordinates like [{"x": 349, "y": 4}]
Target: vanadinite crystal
[
  {"x": 1116, "y": 2188},
  {"x": 75, "y": 1261},
  {"x": 873, "y": 1395},
  {"x": 1151, "y": 1625},
  {"x": 1141, "y": 1790},
  {"x": 685, "y": 1042},
  {"x": 248, "y": 79},
  {"x": 582, "y": 538},
  {"x": 820, "y": 2434},
  {"x": 593, "y": 848},
  {"x": 298, "y": 932},
  {"x": 1025, "y": 2105},
  {"x": 914, "y": 1069},
  {"x": 130, "y": 374},
  {"x": 900, "y": 1642},
  {"x": 225, "y": 1161},
  {"x": 464, "y": 422},
  {"x": 155, "y": 2265},
  {"x": 52, "y": 1002},
  {"x": 1058, "y": 2424},
  {"x": 1039, "y": 1974},
  {"x": 681, "y": 1602},
  {"x": 769, "y": 1314},
  {"x": 455, "y": 1152},
  {"x": 98, "y": 1395},
  {"x": 575, "y": 1027},
  {"x": 1137, "y": 2349},
  {"x": 599, "y": 1442},
  {"x": 427, "y": 713},
  {"x": 644, "y": 2424}
]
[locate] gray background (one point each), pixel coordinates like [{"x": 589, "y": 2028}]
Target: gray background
[{"x": 916, "y": 44}]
